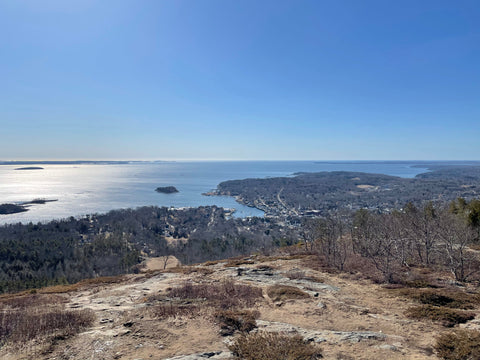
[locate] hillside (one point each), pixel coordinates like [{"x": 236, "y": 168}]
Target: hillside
[
  {"x": 323, "y": 193},
  {"x": 179, "y": 313}
]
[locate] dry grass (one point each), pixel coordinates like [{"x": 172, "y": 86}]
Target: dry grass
[
  {"x": 474, "y": 247},
  {"x": 213, "y": 262},
  {"x": 459, "y": 345},
  {"x": 39, "y": 316},
  {"x": 274, "y": 346},
  {"x": 238, "y": 262},
  {"x": 263, "y": 267},
  {"x": 240, "y": 320},
  {"x": 447, "y": 317},
  {"x": 26, "y": 301},
  {"x": 187, "y": 270},
  {"x": 452, "y": 298},
  {"x": 301, "y": 275},
  {"x": 283, "y": 292},
  {"x": 164, "y": 311},
  {"x": 99, "y": 281},
  {"x": 224, "y": 295},
  {"x": 19, "y": 326}
]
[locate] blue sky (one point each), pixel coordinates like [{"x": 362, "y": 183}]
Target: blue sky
[{"x": 230, "y": 79}]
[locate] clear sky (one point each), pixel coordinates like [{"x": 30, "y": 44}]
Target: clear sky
[{"x": 239, "y": 79}]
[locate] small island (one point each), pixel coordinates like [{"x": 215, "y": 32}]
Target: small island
[
  {"x": 30, "y": 168},
  {"x": 166, "y": 189}
]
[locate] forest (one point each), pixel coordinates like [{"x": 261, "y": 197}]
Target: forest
[
  {"x": 390, "y": 226},
  {"x": 324, "y": 193},
  {"x": 66, "y": 251}
]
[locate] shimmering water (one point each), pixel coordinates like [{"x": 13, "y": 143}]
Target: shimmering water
[{"x": 86, "y": 189}]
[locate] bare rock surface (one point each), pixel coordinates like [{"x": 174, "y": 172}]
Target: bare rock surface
[
  {"x": 202, "y": 356},
  {"x": 349, "y": 318},
  {"x": 320, "y": 336}
]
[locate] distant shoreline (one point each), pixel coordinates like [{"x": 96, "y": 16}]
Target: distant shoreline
[
  {"x": 81, "y": 162},
  {"x": 30, "y": 168},
  {"x": 132, "y": 185},
  {"x": 9, "y": 209}
]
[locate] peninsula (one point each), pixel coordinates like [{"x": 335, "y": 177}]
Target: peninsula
[
  {"x": 314, "y": 194},
  {"x": 8, "y": 209}
]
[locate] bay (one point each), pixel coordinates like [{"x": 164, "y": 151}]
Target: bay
[{"x": 97, "y": 188}]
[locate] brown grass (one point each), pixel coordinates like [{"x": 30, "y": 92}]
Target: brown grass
[
  {"x": 447, "y": 317},
  {"x": 283, "y": 292},
  {"x": 224, "y": 295},
  {"x": 459, "y": 345},
  {"x": 213, "y": 262},
  {"x": 455, "y": 299},
  {"x": 25, "y": 301},
  {"x": 164, "y": 311},
  {"x": 19, "y": 326},
  {"x": 187, "y": 270},
  {"x": 99, "y": 281},
  {"x": 301, "y": 275},
  {"x": 274, "y": 346},
  {"x": 238, "y": 262}
]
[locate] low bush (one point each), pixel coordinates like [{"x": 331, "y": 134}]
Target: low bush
[
  {"x": 455, "y": 299},
  {"x": 447, "y": 317},
  {"x": 238, "y": 262},
  {"x": 22, "y": 325},
  {"x": 283, "y": 292},
  {"x": 274, "y": 346},
  {"x": 224, "y": 295},
  {"x": 231, "y": 321},
  {"x": 459, "y": 345},
  {"x": 164, "y": 311},
  {"x": 30, "y": 300}
]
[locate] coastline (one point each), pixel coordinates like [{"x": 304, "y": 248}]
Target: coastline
[{"x": 107, "y": 186}]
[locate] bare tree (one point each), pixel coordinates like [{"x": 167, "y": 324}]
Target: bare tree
[
  {"x": 374, "y": 238},
  {"x": 455, "y": 237}
]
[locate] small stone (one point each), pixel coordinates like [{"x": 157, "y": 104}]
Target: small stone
[
  {"x": 321, "y": 305},
  {"x": 388, "y": 347}
]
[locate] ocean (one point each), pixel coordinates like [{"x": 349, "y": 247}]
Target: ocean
[{"x": 97, "y": 188}]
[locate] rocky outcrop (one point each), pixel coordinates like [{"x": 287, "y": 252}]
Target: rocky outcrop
[{"x": 202, "y": 356}]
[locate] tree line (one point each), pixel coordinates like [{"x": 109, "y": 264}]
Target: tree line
[{"x": 441, "y": 237}]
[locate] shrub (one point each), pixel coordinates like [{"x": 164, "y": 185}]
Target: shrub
[
  {"x": 231, "y": 321},
  {"x": 274, "y": 346},
  {"x": 164, "y": 311},
  {"x": 283, "y": 292},
  {"x": 459, "y": 345},
  {"x": 224, "y": 295},
  {"x": 238, "y": 262},
  {"x": 29, "y": 300},
  {"x": 448, "y": 317},
  {"x": 22, "y": 325},
  {"x": 443, "y": 297}
]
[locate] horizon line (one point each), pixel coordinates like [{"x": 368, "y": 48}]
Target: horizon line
[{"x": 224, "y": 160}]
